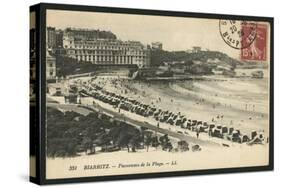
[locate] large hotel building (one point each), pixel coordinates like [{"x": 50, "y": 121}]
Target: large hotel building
[{"x": 103, "y": 47}]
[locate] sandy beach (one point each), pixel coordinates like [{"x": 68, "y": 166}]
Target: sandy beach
[{"x": 228, "y": 101}]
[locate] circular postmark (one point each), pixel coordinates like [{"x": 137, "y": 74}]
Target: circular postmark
[{"x": 238, "y": 34}]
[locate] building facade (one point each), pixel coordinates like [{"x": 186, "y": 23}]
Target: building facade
[
  {"x": 54, "y": 38},
  {"x": 59, "y": 38},
  {"x": 51, "y": 37},
  {"x": 157, "y": 45},
  {"x": 88, "y": 34},
  {"x": 102, "y": 47}
]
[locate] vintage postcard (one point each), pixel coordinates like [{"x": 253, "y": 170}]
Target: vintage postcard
[{"x": 136, "y": 94}]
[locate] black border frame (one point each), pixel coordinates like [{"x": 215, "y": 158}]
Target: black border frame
[{"x": 41, "y": 23}]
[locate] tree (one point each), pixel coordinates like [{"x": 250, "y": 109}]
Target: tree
[{"x": 147, "y": 139}]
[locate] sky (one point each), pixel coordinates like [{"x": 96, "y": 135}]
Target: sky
[{"x": 176, "y": 33}]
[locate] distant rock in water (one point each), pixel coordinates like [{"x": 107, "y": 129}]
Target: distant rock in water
[{"x": 257, "y": 74}]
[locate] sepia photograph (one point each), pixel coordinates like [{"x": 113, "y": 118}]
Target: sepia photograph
[{"x": 136, "y": 94}]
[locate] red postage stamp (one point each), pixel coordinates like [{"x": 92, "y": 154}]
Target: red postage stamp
[{"x": 257, "y": 51}]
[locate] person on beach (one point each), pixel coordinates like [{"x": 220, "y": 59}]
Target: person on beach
[
  {"x": 210, "y": 132},
  {"x": 197, "y": 133}
]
